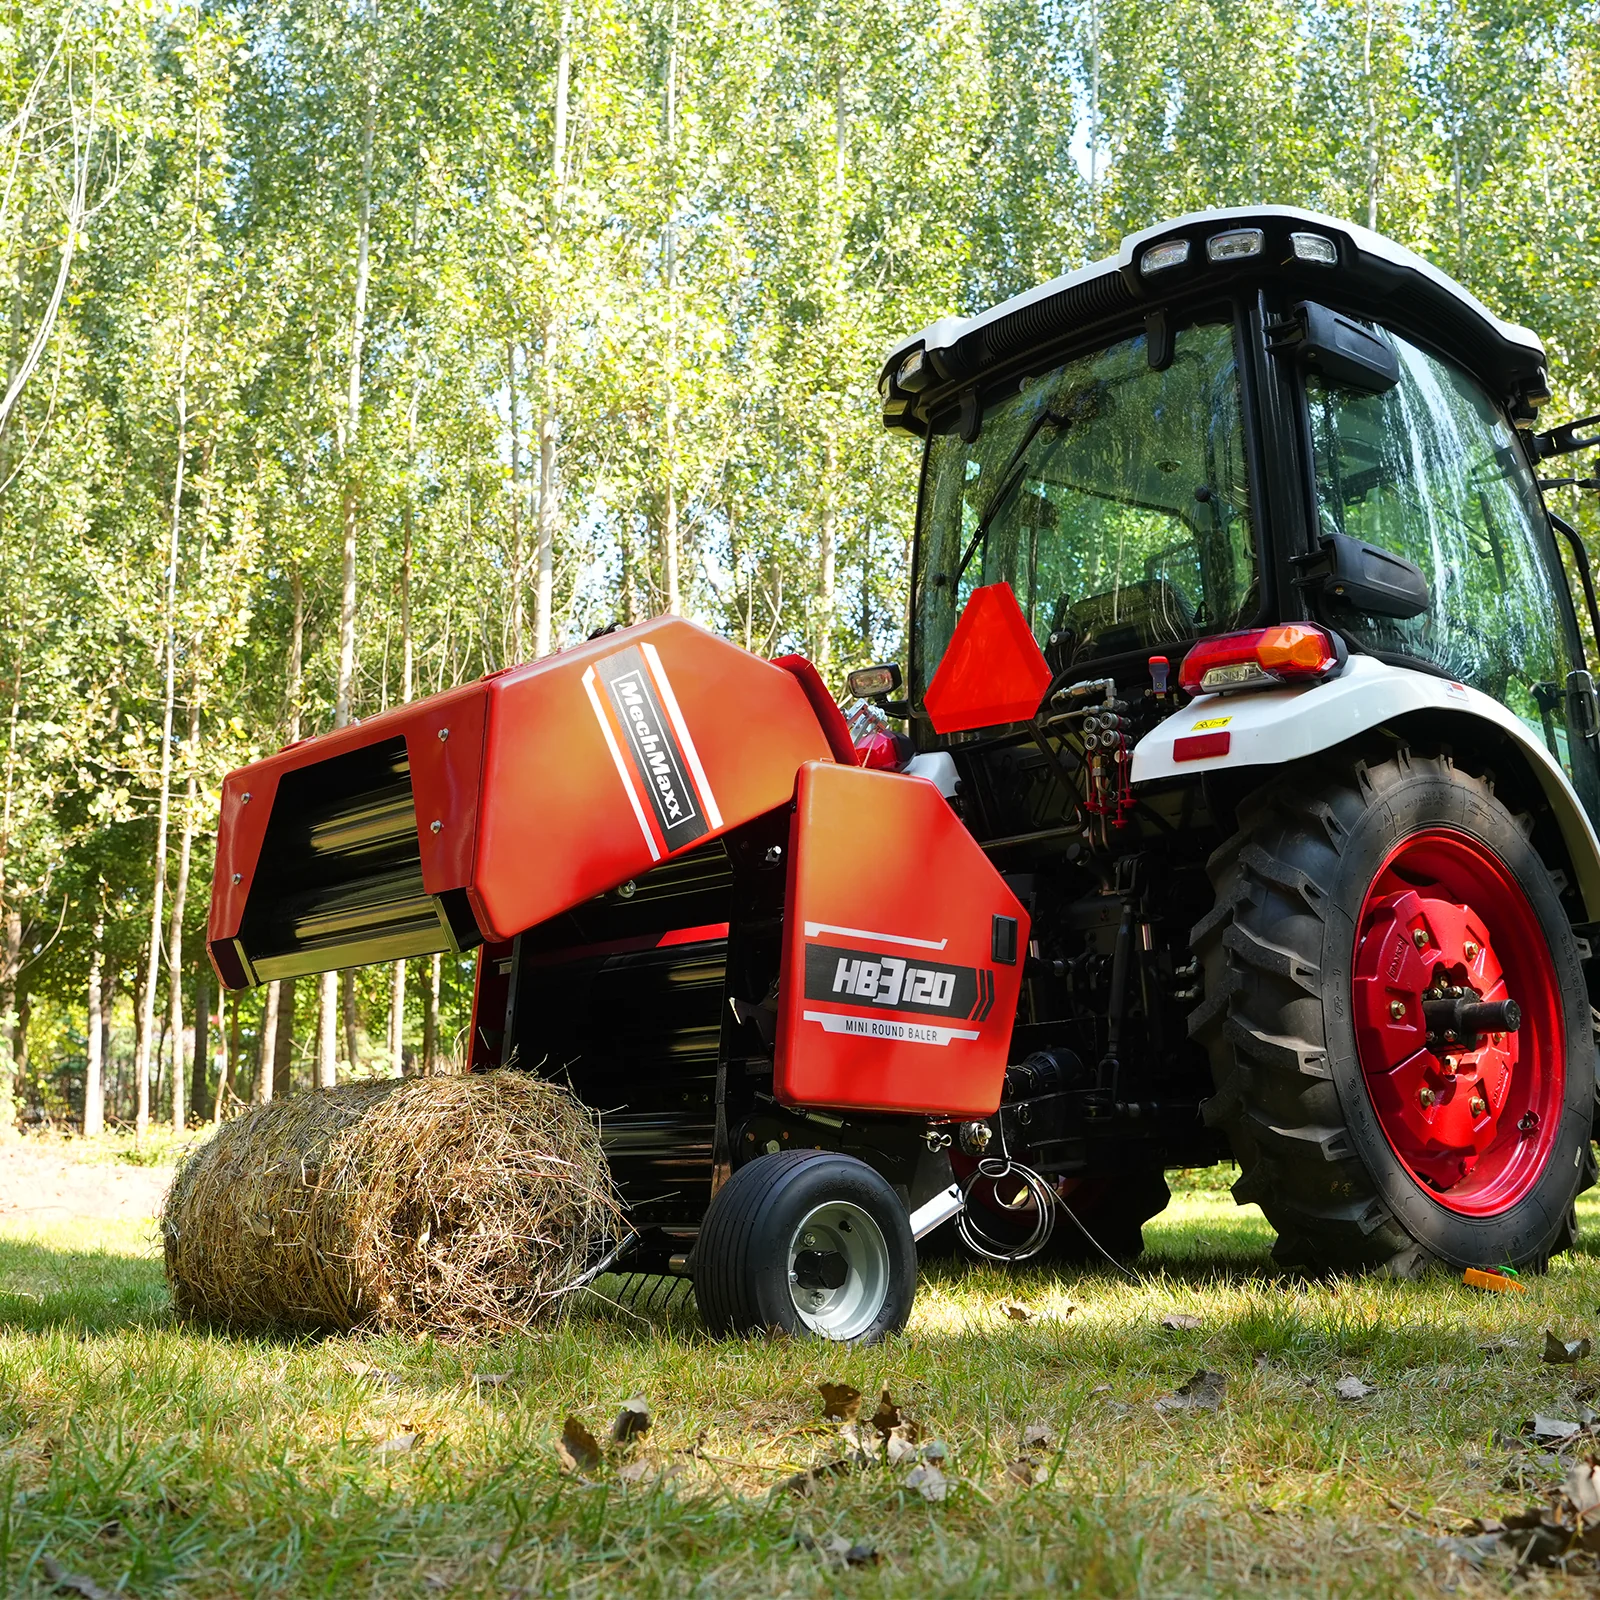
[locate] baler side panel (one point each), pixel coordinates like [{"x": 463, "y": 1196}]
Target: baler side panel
[
  {"x": 607, "y": 759},
  {"x": 902, "y": 952},
  {"x": 443, "y": 780}
]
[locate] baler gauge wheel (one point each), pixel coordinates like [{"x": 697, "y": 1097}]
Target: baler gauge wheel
[
  {"x": 838, "y": 1271},
  {"x": 806, "y": 1242}
]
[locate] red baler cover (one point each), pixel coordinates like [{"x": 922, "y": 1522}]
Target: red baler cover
[
  {"x": 902, "y": 952},
  {"x": 541, "y": 786}
]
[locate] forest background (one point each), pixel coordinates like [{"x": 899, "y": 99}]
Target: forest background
[{"x": 354, "y": 348}]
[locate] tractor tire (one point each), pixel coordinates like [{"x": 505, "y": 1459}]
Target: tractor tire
[
  {"x": 1373, "y": 1139},
  {"x": 806, "y": 1242}
]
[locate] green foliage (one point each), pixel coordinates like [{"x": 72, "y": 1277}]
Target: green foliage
[{"x": 653, "y": 334}]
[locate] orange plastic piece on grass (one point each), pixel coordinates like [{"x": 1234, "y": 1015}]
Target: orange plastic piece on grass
[{"x": 1477, "y": 1278}]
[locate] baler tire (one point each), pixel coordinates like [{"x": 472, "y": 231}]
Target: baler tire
[
  {"x": 742, "y": 1259},
  {"x": 1333, "y": 1170}
]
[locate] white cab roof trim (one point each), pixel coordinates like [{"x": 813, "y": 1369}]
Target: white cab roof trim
[{"x": 947, "y": 331}]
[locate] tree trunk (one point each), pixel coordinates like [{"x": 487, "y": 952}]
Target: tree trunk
[
  {"x": 430, "y": 1019},
  {"x": 514, "y": 644},
  {"x": 269, "y": 1042},
  {"x": 350, "y": 426},
  {"x": 283, "y": 1044},
  {"x": 827, "y": 554},
  {"x": 549, "y": 351},
  {"x": 94, "y": 1082},
  {"x": 328, "y": 1030},
  {"x": 347, "y": 1005},
  {"x": 230, "y": 1056},
  {"x": 147, "y": 1007},
  {"x": 397, "y": 1021},
  {"x": 202, "y": 1039},
  {"x": 669, "y": 525},
  {"x": 10, "y": 1033},
  {"x": 180, "y": 895},
  {"x": 109, "y": 980}
]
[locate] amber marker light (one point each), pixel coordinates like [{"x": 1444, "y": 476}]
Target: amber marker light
[{"x": 1261, "y": 658}]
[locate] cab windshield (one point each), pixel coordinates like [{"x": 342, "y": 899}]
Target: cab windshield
[{"x": 1112, "y": 497}]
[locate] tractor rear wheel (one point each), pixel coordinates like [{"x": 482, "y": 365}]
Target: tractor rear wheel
[
  {"x": 1373, "y": 1133},
  {"x": 806, "y": 1241}
]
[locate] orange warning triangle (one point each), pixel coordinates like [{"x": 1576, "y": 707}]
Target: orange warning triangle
[{"x": 993, "y": 672}]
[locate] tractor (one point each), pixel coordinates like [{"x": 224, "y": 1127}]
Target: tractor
[{"x": 1235, "y": 799}]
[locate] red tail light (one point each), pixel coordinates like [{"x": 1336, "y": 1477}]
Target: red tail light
[{"x": 1261, "y": 658}]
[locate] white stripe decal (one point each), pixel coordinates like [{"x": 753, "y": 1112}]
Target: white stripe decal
[
  {"x": 681, "y": 728},
  {"x": 622, "y": 769},
  {"x": 814, "y": 928},
  {"x": 857, "y": 1026}
]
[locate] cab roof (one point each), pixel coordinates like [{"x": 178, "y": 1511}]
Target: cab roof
[{"x": 1372, "y": 276}]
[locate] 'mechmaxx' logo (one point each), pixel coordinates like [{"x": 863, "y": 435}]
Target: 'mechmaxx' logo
[{"x": 656, "y": 755}]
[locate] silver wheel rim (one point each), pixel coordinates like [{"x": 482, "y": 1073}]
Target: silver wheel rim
[{"x": 846, "y": 1230}]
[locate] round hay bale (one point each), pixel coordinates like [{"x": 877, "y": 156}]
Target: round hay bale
[{"x": 447, "y": 1205}]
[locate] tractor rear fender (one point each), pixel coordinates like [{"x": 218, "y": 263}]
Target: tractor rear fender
[
  {"x": 1269, "y": 728},
  {"x": 478, "y": 813}
]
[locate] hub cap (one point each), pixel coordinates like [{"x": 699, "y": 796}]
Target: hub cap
[
  {"x": 838, "y": 1270},
  {"x": 1472, "y": 1116}
]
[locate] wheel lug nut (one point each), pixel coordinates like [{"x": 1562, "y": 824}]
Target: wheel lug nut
[
  {"x": 1420, "y": 938},
  {"x": 808, "y": 1239},
  {"x": 1449, "y": 1065},
  {"x": 1478, "y": 1105},
  {"x": 1397, "y": 1010},
  {"x": 1425, "y": 1097},
  {"x": 1470, "y": 950}
]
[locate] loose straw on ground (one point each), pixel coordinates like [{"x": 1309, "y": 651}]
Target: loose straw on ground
[{"x": 445, "y": 1205}]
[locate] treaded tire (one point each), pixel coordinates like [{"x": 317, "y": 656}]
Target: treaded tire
[
  {"x": 742, "y": 1257},
  {"x": 1278, "y": 956}
]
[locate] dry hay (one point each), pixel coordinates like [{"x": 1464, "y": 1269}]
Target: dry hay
[{"x": 444, "y": 1205}]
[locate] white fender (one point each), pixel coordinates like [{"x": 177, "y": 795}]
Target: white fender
[{"x": 1272, "y": 726}]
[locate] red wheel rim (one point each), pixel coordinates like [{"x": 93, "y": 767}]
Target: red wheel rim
[{"x": 1473, "y": 1121}]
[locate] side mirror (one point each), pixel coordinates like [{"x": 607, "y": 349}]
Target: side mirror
[
  {"x": 1337, "y": 349},
  {"x": 874, "y": 683},
  {"x": 1373, "y": 581}
]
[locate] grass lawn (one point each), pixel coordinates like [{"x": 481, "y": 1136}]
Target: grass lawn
[{"x": 156, "y": 1460}]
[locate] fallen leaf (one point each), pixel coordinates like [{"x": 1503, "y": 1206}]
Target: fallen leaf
[
  {"x": 841, "y": 1402},
  {"x": 887, "y": 1417},
  {"x": 397, "y": 1445},
  {"x": 493, "y": 1379},
  {"x": 1180, "y": 1322},
  {"x": 842, "y": 1551},
  {"x": 901, "y": 1448},
  {"x": 72, "y": 1582},
  {"x": 1036, "y": 1437},
  {"x": 645, "y": 1469},
  {"x": 1101, "y": 1388},
  {"x": 1017, "y": 1313},
  {"x": 935, "y": 1450},
  {"x": 1559, "y": 1352},
  {"x": 1554, "y": 1428},
  {"x": 1582, "y": 1485},
  {"x": 1203, "y": 1392},
  {"x": 633, "y": 1422},
  {"x": 1021, "y": 1471},
  {"x": 928, "y": 1481},
  {"x": 577, "y": 1447},
  {"x": 1351, "y": 1387}
]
